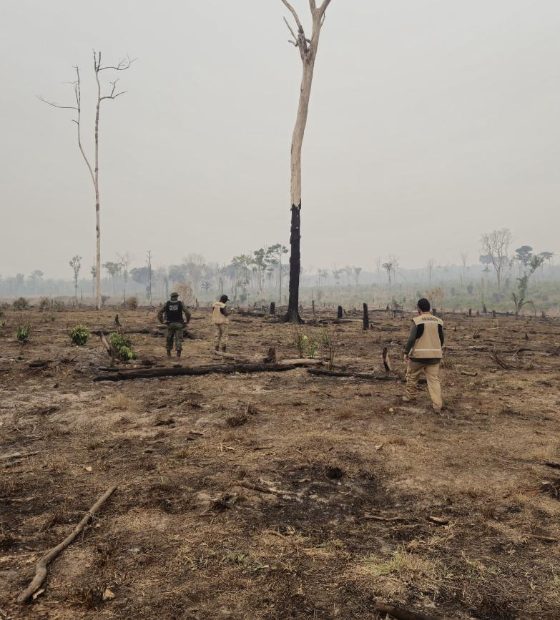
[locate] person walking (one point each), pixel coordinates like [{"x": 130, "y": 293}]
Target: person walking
[
  {"x": 423, "y": 354},
  {"x": 171, "y": 314},
  {"x": 220, "y": 313}
]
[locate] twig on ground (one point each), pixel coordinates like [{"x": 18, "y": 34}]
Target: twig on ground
[{"x": 400, "y": 614}]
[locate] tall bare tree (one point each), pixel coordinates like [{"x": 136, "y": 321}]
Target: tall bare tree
[
  {"x": 430, "y": 266},
  {"x": 113, "y": 93},
  {"x": 76, "y": 264},
  {"x": 124, "y": 263},
  {"x": 308, "y": 49},
  {"x": 464, "y": 260},
  {"x": 495, "y": 245},
  {"x": 149, "y": 265}
]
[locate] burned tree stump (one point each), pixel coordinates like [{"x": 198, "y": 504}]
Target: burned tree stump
[
  {"x": 366, "y": 317},
  {"x": 272, "y": 308},
  {"x": 386, "y": 361},
  {"x": 340, "y": 312}
]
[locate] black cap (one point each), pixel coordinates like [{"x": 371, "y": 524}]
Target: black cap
[{"x": 224, "y": 299}]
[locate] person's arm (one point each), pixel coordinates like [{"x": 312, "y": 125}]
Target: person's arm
[
  {"x": 225, "y": 311},
  {"x": 161, "y": 314},
  {"x": 413, "y": 334},
  {"x": 441, "y": 336}
]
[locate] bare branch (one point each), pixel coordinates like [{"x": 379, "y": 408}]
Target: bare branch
[
  {"x": 324, "y": 6},
  {"x": 292, "y": 32},
  {"x": 56, "y": 105},
  {"x": 123, "y": 92},
  {"x": 293, "y": 12},
  {"x": 312, "y": 6},
  {"x": 113, "y": 94},
  {"x": 122, "y": 66}
]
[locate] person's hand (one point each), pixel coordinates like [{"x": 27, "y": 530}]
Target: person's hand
[{"x": 406, "y": 358}]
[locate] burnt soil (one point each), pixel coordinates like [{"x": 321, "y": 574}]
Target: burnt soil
[{"x": 285, "y": 495}]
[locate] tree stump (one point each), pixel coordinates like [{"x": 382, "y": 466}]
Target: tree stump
[
  {"x": 272, "y": 308},
  {"x": 340, "y": 312},
  {"x": 366, "y": 317}
]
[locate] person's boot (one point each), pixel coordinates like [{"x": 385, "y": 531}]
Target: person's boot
[
  {"x": 168, "y": 352},
  {"x": 179, "y": 353},
  {"x": 223, "y": 348}
]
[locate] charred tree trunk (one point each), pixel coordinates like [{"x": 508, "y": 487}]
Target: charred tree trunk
[
  {"x": 292, "y": 315},
  {"x": 340, "y": 312},
  {"x": 272, "y": 308},
  {"x": 366, "y": 317}
]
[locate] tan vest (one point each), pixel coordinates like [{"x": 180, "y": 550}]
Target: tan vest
[
  {"x": 428, "y": 345},
  {"x": 217, "y": 317}
]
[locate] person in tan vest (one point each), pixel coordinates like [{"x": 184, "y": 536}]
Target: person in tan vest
[
  {"x": 220, "y": 319},
  {"x": 423, "y": 354}
]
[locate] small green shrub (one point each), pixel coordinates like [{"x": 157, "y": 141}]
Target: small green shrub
[
  {"x": 80, "y": 335},
  {"x": 121, "y": 346},
  {"x": 131, "y": 303},
  {"x": 306, "y": 346},
  {"x": 23, "y": 332},
  {"x": 21, "y": 304}
]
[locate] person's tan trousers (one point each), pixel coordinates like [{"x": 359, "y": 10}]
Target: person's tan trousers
[
  {"x": 222, "y": 333},
  {"x": 413, "y": 372}
]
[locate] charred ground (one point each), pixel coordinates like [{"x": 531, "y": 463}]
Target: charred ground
[{"x": 282, "y": 495}]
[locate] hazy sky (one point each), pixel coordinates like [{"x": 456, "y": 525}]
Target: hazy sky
[{"x": 431, "y": 122}]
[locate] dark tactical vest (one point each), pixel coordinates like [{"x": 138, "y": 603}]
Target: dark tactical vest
[{"x": 174, "y": 311}]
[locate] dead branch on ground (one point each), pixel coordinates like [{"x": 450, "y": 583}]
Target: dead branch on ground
[
  {"x": 353, "y": 375},
  {"x": 41, "y": 568}
]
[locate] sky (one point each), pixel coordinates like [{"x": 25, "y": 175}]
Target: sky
[{"x": 431, "y": 122}]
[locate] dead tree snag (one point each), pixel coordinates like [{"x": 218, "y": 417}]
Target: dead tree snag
[{"x": 308, "y": 49}]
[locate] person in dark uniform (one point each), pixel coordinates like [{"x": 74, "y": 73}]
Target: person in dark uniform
[{"x": 171, "y": 314}]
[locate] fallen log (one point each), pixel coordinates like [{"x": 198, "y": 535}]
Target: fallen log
[
  {"x": 152, "y": 373},
  {"x": 400, "y": 614},
  {"x": 41, "y": 568},
  {"x": 353, "y": 375}
]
